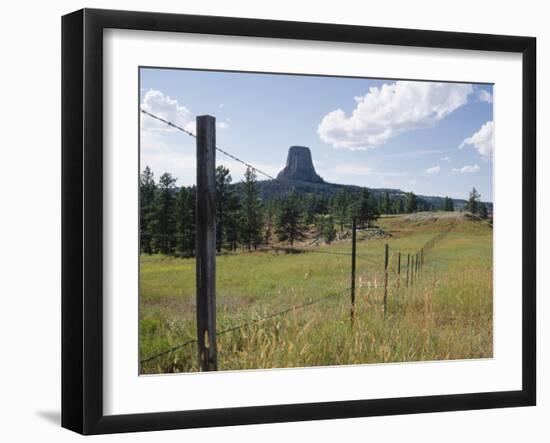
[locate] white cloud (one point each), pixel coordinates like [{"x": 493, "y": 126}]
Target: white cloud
[
  {"x": 485, "y": 96},
  {"x": 162, "y": 156},
  {"x": 220, "y": 105},
  {"x": 446, "y": 159},
  {"x": 467, "y": 169},
  {"x": 433, "y": 169},
  {"x": 167, "y": 108},
  {"x": 482, "y": 140},
  {"x": 386, "y": 111}
]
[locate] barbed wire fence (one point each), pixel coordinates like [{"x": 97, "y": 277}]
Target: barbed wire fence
[{"x": 410, "y": 271}]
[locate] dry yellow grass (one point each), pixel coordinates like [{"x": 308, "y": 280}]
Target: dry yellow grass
[{"x": 447, "y": 314}]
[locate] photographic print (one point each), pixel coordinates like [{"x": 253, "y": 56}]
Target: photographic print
[{"x": 353, "y": 220}]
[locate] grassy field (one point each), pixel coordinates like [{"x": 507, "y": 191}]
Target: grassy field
[{"x": 447, "y": 314}]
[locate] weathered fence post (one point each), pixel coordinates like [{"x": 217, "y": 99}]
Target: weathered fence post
[
  {"x": 417, "y": 265},
  {"x": 386, "y": 250},
  {"x": 412, "y": 270},
  {"x": 421, "y": 258},
  {"x": 408, "y": 263},
  {"x": 398, "y": 269},
  {"x": 353, "y": 254},
  {"x": 206, "y": 243}
]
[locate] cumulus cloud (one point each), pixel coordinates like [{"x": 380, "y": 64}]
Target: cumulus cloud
[
  {"x": 169, "y": 109},
  {"x": 482, "y": 140},
  {"x": 433, "y": 169},
  {"x": 163, "y": 156},
  {"x": 446, "y": 159},
  {"x": 467, "y": 169},
  {"x": 388, "y": 110},
  {"x": 485, "y": 96}
]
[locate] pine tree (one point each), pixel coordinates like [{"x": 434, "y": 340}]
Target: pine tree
[
  {"x": 448, "y": 204},
  {"x": 398, "y": 206},
  {"x": 269, "y": 221},
  {"x": 411, "y": 204},
  {"x": 252, "y": 211},
  {"x": 185, "y": 221},
  {"x": 386, "y": 204},
  {"x": 147, "y": 191},
  {"x": 322, "y": 205},
  {"x": 340, "y": 207},
  {"x": 366, "y": 209},
  {"x": 290, "y": 225},
  {"x": 166, "y": 216},
  {"x": 401, "y": 206},
  {"x": 473, "y": 202},
  {"x": 223, "y": 196},
  {"x": 483, "y": 213},
  {"x": 310, "y": 208},
  {"x": 327, "y": 229},
  {"x": 233, "y": 222}
]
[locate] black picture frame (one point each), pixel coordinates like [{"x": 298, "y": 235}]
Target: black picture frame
[{"x": 82, "y": 215}]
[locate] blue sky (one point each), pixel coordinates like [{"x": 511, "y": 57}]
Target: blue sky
[{"x": 427, "y": 137}]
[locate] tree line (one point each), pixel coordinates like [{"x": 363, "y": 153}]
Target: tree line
[{"x": 245, "y": 221}]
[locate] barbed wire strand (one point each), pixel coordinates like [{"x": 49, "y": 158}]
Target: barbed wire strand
[
  {"x": 433, "y": 240},
  {"x": 283, "y": 248},
  {"x": 248, "y": 323},
  {"x": 223, "y": 151},
  {"x": 292, "y": 308},
  {"x": 319, "y": 251},
  {"x": 248, "y": 165}
]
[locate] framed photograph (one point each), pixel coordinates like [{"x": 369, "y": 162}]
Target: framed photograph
[{"x": 268, "y": 221}]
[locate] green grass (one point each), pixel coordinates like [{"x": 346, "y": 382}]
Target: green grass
[{"x": 446, "y": 314}]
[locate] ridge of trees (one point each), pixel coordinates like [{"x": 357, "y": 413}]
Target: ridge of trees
[{"x": 244, "y": 220}]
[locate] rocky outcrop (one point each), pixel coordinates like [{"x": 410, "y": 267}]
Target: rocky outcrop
[{"x": 299, "y": 166}]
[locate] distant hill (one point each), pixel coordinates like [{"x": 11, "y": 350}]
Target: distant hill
[
  {"x": 272, "y": 189},
  {"x": 299, "y": 175}
]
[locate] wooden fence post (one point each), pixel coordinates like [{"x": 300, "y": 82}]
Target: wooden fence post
[
  {"x": 206, "y": 243},
  {"x": 412, "y": 270},
  {"x": 386, "y": 250},
  {"x": 398, "y": 269},
  {"x": 408, "y": 263},
  {"x": 353, "y": 254}
]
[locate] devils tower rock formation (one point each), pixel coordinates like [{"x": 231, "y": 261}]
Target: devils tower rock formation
[{"x": 299, "y": 166}]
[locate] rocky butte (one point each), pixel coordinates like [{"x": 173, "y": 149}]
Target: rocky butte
[{"x": 299, "y": 166}]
